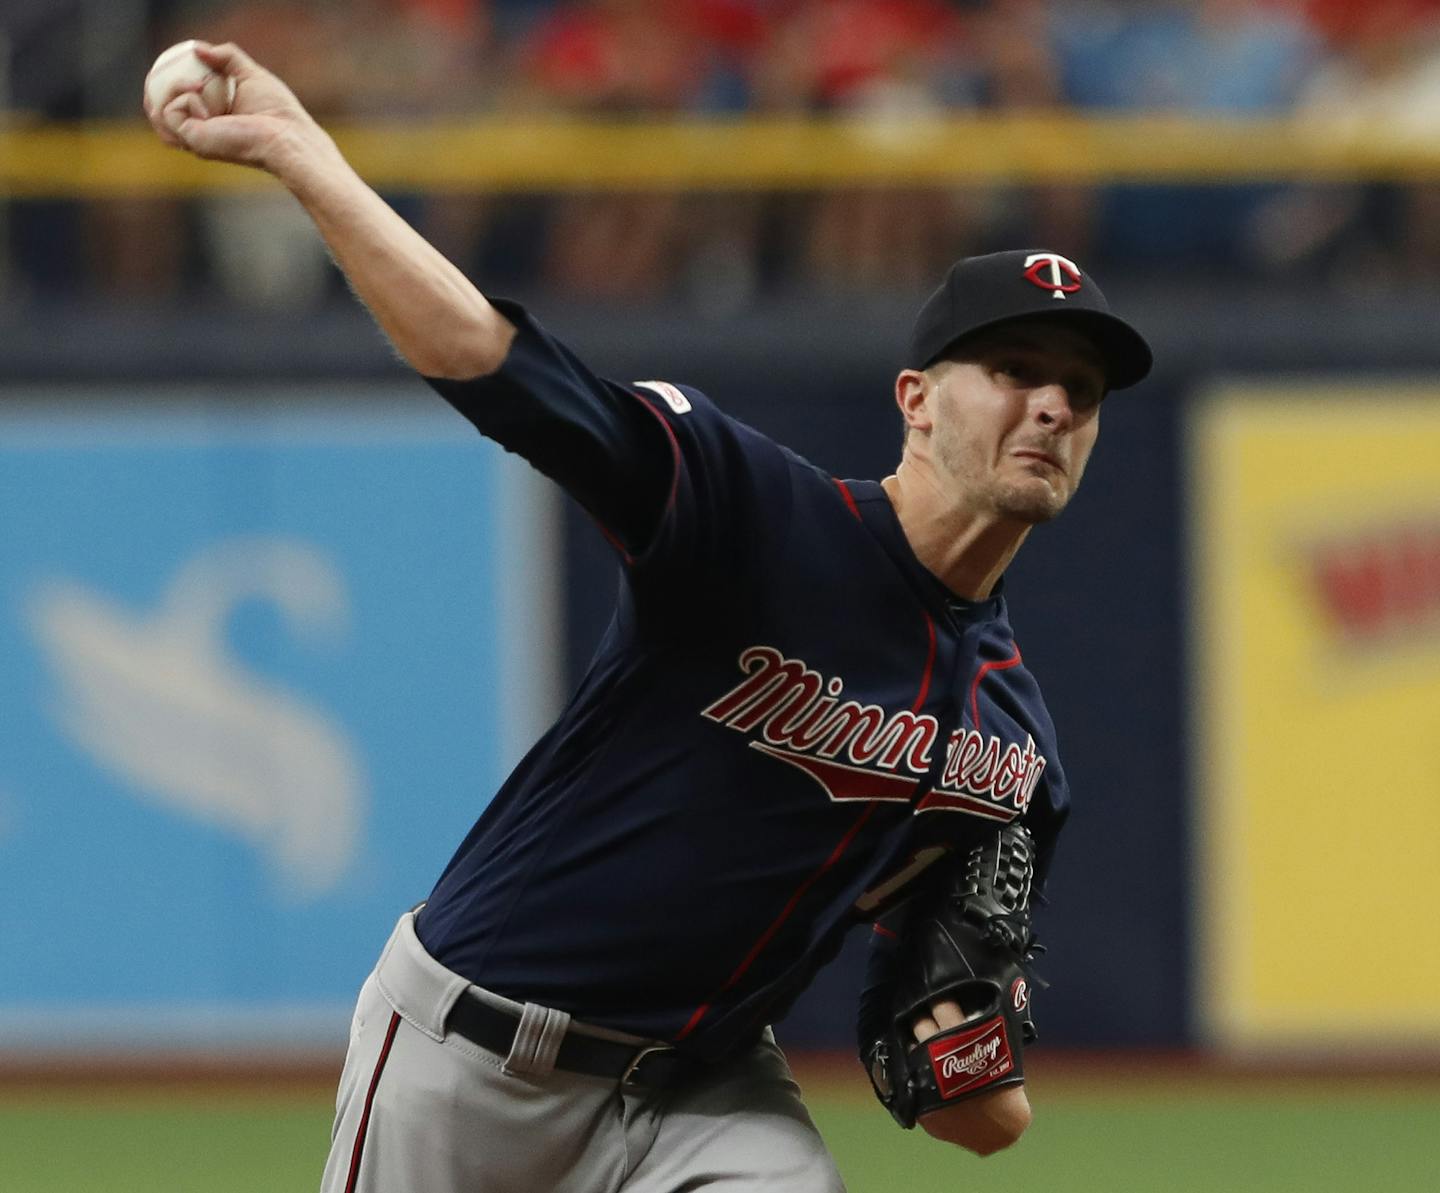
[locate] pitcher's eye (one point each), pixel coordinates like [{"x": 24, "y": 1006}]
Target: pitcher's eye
[{"x": 1084, "y": 393}]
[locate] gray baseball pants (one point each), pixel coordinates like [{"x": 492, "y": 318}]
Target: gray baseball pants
[{"x": 423, "y": 1111}]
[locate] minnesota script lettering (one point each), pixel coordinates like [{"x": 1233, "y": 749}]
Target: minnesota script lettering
[{"x": 860, "y": 751}]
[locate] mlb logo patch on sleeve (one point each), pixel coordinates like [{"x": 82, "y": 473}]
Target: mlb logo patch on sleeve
[{"x": 673, "y": 398}]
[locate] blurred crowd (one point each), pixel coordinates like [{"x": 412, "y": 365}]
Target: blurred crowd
[{"x": 1338, "y": 60}]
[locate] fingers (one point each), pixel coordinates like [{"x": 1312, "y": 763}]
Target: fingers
[
  {"x": 186, "y": 121},
  {"x": 947, "y": 1013},
  {"x": 189, "y": 106},
  {"x": 244, "y": 122},
  {"x": 229, "y": 59},
  {"x": 221, "y": 138},
  {"x": 944, "y": 1014},
  {"x": 169, "y": 120},
  {"x": 166, "y": 113},
  {"x": 178, "y": 114},
  {"x": 163, "y": 132}
]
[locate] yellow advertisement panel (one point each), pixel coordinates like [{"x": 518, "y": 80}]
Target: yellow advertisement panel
[{"x": 1317, "y": 751}]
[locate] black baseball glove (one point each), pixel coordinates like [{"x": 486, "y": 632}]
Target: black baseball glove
[{"x": 967, "y": 938}]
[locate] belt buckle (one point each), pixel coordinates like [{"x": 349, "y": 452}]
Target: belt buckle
[{"x": 638, "y": 1059}]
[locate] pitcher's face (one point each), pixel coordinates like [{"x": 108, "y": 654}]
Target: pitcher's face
[{"x": 1016, "y": 413}]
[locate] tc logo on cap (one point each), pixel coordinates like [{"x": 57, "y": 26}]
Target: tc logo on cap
[{"x": 1050, "y": 271}]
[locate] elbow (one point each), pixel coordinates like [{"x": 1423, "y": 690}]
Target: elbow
[
  {"x": 465, "y": 351},
  {"x": 462, "y": 362}
]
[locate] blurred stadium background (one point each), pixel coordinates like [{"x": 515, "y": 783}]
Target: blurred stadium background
[{"x": 274, "y": 621}]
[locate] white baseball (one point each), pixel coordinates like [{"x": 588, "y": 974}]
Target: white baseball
[{"x": 180, "y": 69}]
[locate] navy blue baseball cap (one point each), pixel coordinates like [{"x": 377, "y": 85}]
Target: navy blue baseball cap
[{"x": 980, "y": 293}]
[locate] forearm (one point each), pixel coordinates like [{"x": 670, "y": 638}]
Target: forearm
[
  {"x": 435, "y": 318},
  {"x": 598, "y": 439},
  {"x": 433, "y": 315},
  {"x": 985, "y": 1124}
]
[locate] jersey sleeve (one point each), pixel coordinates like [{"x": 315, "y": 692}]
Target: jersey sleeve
[
  {"x": 872, "y": 1019},
  {"x": 1045, "y": 822},
  {"x": 591, "y": 436},
  {"x": 731, "y": 500},
  {"x": 1048, "y": 811},
  {"x": 677, "y": 486}
]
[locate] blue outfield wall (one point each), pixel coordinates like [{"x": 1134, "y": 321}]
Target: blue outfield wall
[{"x": 258, "y": 683}]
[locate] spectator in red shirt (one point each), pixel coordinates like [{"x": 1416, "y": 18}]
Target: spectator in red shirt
[{"x": 653, "y": 57}]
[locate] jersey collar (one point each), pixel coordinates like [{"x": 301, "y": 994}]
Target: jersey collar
[{"x": 878, "y": 514}]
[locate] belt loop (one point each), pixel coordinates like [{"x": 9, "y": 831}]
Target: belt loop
[
  {"x": 639, "y": 1058},
  {"x": 537, "y": 1040}
]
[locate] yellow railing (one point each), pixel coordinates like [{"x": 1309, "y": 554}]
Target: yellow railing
[{"x": 508, "y": 155}]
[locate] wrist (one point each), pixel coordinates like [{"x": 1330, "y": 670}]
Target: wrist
[{"x": 301, "y": 157}]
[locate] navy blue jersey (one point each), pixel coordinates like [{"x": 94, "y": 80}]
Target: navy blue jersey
[{"x": 788, "y": 718}]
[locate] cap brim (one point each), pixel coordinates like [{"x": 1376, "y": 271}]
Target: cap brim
[{"x": 1125, "y": 355}]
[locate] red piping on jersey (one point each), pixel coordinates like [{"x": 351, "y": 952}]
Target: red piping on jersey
[
  {"x": 610, "y": 536},
  {"x": 613, "y": 541},
  {"x": 769, "y": 934},
  {"x": 765, "y": 937},
  {"x": 985, "y": 669},
  {"x": 929, "y": 621},
  {"x": 880, "y": 930},
  {"x": 370, "y": 1101},
  {"x": 674, "y": 449},
  {"x": 929, "y": 666}
]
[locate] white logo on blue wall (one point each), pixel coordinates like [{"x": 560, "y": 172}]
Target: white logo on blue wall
[{"x": 156, "y": 701}]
